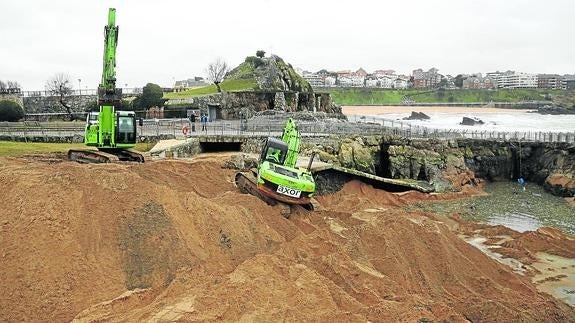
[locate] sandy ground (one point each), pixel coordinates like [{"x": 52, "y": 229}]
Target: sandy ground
[
  {"x": 176, "y": 240},
  {"x": 381, "y": 110}
]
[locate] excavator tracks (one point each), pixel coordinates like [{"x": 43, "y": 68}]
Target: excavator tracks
[
  {"x": 86, "y": 156},
  {"x": 247, "y": 183}
]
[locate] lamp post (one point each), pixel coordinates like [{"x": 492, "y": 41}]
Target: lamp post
[{"x": 79, "y": 86}]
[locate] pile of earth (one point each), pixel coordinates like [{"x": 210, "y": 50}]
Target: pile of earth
[{"x": 176, "y": 240}]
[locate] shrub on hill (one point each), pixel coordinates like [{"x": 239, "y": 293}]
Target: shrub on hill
[{"x": 10, "y": 111}]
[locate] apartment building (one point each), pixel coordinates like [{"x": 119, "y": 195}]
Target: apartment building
[
  {"x": 477, "y": 81},
  {"x": 426, "y": 80},
  {"x": 315, "y": 80},
  {"x": 514, "y": 80},
  {"x": 549, "y": 81}
]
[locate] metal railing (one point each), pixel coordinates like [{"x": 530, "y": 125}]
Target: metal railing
[
  {"x": 182, "y": 128},
  {"x": 76, "y": 92},
  {"x": 409, "y": 130}
]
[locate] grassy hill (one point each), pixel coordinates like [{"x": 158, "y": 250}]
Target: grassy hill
[
  {"x": 255, "y": 73},
  {"x": 366, "y": 96},
  {"x": 226, "y": 85}
]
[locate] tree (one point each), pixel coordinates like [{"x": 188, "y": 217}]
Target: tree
[
  {"x": 61, "y": 86},
  {"x": 217, "y": 71},
  {"x": 151, "y": 96},
  {"x": 10, "y": 111},
  {"x": 9, "y": 87},
  {"x": 260, "y": 53},
  {"x": 458, "y": 81}
]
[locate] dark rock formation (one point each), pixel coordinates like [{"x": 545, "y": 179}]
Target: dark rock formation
[
  {"x": 450, "y": 164},
  {"x": 471, "y": 121},
  {"x": 278, "y": 87},
  {"x": 271, "y": 74},
  {"x": 555, "y": 110},
  {"x": 417, "y": 116}
]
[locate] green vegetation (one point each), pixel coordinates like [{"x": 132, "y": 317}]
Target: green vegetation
[
  {"x": 365, "y": 96},
  {"x": 226, "y": 85},
  {"x": 254, "y": 73},
  {"x": 12, "y": 148},
  {"x": 565, "y": 99},
  {"x": 10, "y": 111},
  {"x": 151, "y": 96}
]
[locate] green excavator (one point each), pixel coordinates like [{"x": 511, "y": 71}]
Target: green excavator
[
  {"x": 112, "y": 132},
  {"x": 277, "y": 178}
]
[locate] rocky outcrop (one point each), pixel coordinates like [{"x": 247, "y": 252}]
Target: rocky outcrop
[
  {"x": 233, "y": 105},
  {"x": 552, "y": 165},
  {"x": 243, "y": 162},
  {"x": 359, "y": 153},
  {"x": 271, "y": 74},
  {"x": 555, "y": 110},
  {"x": 278, "y": 88},
  {"x": 450, "y": 165},
  {"x": 417, "y": 116},
  {"x": 471, "y": 121}
]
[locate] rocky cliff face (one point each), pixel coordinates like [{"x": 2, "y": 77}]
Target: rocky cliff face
[
  {"x": 279, "y": 88},
  {"x": 230, "y": 105},
  {"x": 451, "y": 164},
  {"x": 271, "y": 74}
]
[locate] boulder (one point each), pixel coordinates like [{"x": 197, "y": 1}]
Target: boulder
[
  {"x": 417, "y": 116},
  {"x": 353, "y": 154},
  {"x": 241, "y": 162},
  {"x": 561, "y": 184},
  {"x": 554, "y": 110},
  {"x": 473, "y": 121}
]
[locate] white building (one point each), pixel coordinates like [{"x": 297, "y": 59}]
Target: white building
[
  {"x": 514, "y": 80},
  {"x": 313, "y": 79},
  {"x": 329, "y": 81},
  {"x": 401, "y": 83}
]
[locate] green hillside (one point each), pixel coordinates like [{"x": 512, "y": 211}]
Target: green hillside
[
  {"x": 255, "y": 73},
  {"x": 226, "y": 85},
  {"x": 367, "y": 96}
]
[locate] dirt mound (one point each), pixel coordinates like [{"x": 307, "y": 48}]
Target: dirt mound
[{"x": 173, "y": 240}]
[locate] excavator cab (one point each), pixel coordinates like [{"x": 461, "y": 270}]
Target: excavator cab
[
  {"x": 274, "y": 151},
  {"x": 126, "y": 125}
]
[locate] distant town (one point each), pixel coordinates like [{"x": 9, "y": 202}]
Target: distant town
[
  {"x": 420, "y": 79},
  {"x": 431, "y": 79}
]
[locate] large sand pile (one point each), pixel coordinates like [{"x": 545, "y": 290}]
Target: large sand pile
[{"x": 175, "y": 240}]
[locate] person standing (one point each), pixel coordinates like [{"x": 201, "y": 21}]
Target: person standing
[
  {"x": 193, "y": 121},
  {"x": 204, "y": 121}
]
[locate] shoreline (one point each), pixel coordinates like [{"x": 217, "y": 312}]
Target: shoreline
[{"x": 393, "y": 109}]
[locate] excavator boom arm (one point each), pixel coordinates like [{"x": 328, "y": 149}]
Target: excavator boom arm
[
  {"x": 110, "y": 43},
  {"x": 291, "y": 136}
]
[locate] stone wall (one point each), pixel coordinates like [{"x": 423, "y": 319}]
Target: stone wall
[{"x": 50, "y": 104}]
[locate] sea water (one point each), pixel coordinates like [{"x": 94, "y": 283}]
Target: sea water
[
  {"x": 509, "y": 205},
  {"x": 512, "y": 122}
]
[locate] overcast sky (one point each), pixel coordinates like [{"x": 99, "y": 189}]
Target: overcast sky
[{"x": 163, "y": 41}]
